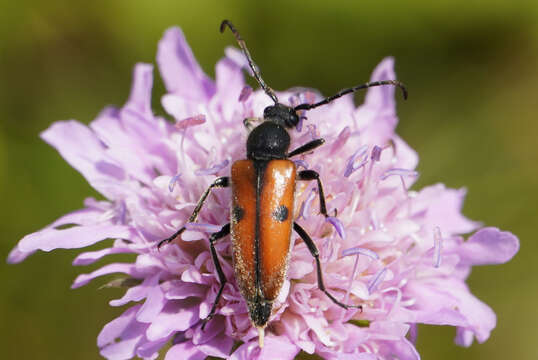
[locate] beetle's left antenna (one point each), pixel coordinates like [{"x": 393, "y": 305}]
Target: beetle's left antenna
[{"x": 251, "y": 63}]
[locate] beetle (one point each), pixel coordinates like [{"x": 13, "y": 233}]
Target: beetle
[{"x": 261, "y": 212}]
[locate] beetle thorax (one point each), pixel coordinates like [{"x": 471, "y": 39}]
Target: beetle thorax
[{"x": 268, "y": 141}]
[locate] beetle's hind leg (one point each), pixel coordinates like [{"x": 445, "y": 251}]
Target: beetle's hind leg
[
  {"x": 314, "y": 251},
  {"x": 224, "y": 231}
]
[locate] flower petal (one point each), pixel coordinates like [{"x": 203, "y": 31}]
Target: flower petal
[
  {"x": 181, "y": 73},
  {"x": 488, "y": 246},
  {"x": 89, "y": 257},
  {"x": 443, "y": 209},
  {"x": 275, "y": 348},
  {"x": 184, "y": 351},
  {"x": 116, "y": 327},
  {"x": 79, "y": 146},
  {"x": 140, "y": 97},
  {"x": 220, "y": 346},
  {"x": 154, "y": 303},
  {"x": 230, "y": 85},
  {"x": 150, "y": 350},
  {"x": 382, "y": 96},
  {"x": 83, "y": 279},
  {"x": 176, "y": 316},
  {"x": 71, "y": 238}
]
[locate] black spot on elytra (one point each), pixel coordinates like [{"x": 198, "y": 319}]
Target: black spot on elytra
[
  {"x": 281, "y": 213},
  {"x": 237, "y": 213}
]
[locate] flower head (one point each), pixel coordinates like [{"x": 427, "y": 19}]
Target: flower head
[{"x": 397, "y": 252}]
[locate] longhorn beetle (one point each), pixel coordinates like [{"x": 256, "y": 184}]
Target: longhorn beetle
[{"x": 261, "y": 214}]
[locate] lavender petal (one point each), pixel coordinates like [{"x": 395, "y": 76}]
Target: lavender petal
[{"x": 180, "y": 72}]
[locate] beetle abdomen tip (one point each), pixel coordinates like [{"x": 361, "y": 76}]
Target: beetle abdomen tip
[{"x": 260, "y": 311}]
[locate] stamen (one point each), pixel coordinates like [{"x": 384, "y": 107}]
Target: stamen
[
  {"x": 305, "y": 206},
  {"x": 299, "y": 126},
  {"x": 348, "y": 291},
  {"x": 301, "y": 163},
  {"x": 341, "y": 140},
  {"x": 122, "y": 212},
  {"x": 363, "y": 251},
  {"x": 376, "y": 280},
  {"x": 190, "y": 121},
  {"x": 245, "y": 93},
  {"x": 202, "y": 227},
  {"x": 337, "y": 224},
  {"x": 437, "y": 246},
  {"x": 173, "y": 181},
  {"x": 399, "y": 172},
  {"x": 294, "y": 99},
  {"x": 376, "y": 153},
  {"x": 213, "y": 169},
  {"x": 402, "y": 173},
  {"x": 396, "y": 301},
  {"x": 360, "y": 153}
]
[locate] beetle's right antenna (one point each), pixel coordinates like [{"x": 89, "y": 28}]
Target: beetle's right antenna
[
  {"x": 251, "y": 63},
  {"x": 351, "y": 90}
]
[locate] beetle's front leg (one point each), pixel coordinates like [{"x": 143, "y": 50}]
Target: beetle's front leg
[
  {"x": 311, "y": 145},
  {"x": 218, "y": 183}
]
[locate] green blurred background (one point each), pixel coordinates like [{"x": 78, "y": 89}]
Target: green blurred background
[{"x": 471, "y": 69}]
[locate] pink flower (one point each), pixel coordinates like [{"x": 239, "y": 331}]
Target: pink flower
[{"x": 396, "y": 251}]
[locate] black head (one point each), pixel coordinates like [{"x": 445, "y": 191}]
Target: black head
[
  {"x": 267, "y": 141},
  {"x": 282, "y": 115}
]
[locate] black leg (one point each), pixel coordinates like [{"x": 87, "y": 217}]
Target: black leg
[
  {"x": 225, "y": 230},
  {"x": 314, "y": 251},
  {"x": 219, "y": 182},
  {"x": 307, "y": 147},
  {"x": 312, "y": 175}
]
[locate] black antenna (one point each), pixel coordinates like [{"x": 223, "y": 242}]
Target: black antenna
[
  {"x": 251, "y": 63},
  {"x": 350, "y": 90}
]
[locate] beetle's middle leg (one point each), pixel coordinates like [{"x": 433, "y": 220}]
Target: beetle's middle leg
[
  {"x": 218, "y": 183},
  {"x": 314, "y": 251},
  {"x": 313, "y": 175},
  {"x": 225, "y": 230}
]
